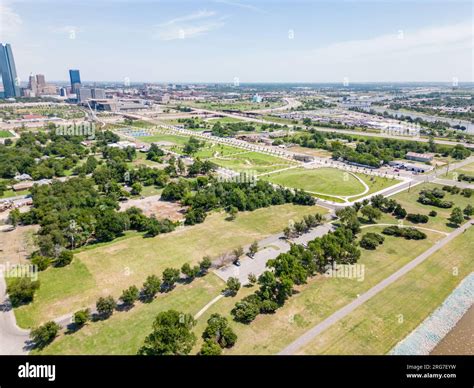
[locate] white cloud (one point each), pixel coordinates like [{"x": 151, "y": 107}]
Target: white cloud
[
  {"x": 10, "y": 22},
  {"x": 189, "y": 26},
  {"x": 408, "y": 44},
  {"x": 424, "y": 54},
  {"x": 241, "y": 5}
]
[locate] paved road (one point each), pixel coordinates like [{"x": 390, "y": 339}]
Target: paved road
[
  {"x": 307, "y": 337},
  {"x": 289, "y": 104},
  {"x": 13, "y": 340},
  {"x": 272, "y": 247},
  {"x": 344, "y": 131}
]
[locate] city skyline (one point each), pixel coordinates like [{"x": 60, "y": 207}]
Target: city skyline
[
  {"x": 253, "y": 41},
  {"x": 8, "y": 72}
]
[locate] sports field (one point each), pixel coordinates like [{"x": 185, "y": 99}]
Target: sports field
[
  {"x": 112, "y": 267},
  {"x": 330, "y": 182},
  {"x": 252, "y": 161}
]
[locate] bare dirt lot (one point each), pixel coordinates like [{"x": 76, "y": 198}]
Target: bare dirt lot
[
  {"x": 16, "y": 245},
  {"x": 154, "y": 206}
]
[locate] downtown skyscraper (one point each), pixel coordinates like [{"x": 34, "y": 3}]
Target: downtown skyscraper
[
  {"x": 10, "y": 79},
  {"x": 75, "y": 78}
]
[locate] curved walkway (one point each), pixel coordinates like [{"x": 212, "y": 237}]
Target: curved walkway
[{"x": 13, "y": 340}]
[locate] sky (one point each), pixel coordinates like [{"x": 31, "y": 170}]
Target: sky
[{"x": 252, "y": 41}]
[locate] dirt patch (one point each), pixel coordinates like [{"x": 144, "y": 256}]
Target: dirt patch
[
  {"x": 154, "y": 206},
  {"x": 16, "y": 245}
]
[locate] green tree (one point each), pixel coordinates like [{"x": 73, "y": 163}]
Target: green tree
[
  {"x": 232, "y": 212},
  {"x": 41, "y": 262},
  {"x": 252, "y": 278},
  {"x": 205, "y": 264},
  {"x": 151, "y": 287},
  {"x": 45, "y": 334},
  {"x": 105, "y": 306},
  {"x": 371, "y": 213},
  {"x": 130, "y": 295},
  {"x": 238, "y": 252},
  {"x": 171, "y": 335},
  {"x": 469, "y": 210},
  {"x": 81, "y": 317},
  {"x": 218, "y": 330},
  {"x": 457, "y": 216},
  {"x": 348, "y": 218},
  {"x": 190, "y": 272},
  {"x": 64, "y": 258},
  {"x": 245, "y": 311},
  {"x": 232, "y": 286},
  {"x": 14, "y": 217},
  {"x": 210, "y": 348},
  {"x": 22, "y": 290},
  {"x": 136, "y": 188},
  {"x": 253, "y": 248},
  {"x": 170, "y": 277}
]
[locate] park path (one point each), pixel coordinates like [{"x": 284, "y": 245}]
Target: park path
[
  {"x": 207, "y": 306},
  {"x": 13, "y": 340},
  {"x": 312, "y": 333}
]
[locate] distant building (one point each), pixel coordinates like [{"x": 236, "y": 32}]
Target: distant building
[
  {"x": 32, "y": 86},
  {"x": 98, "y": 94},
  {"x": 303, "y": 158},
  {"x": 10, "y": 79},
  {"x": 75, "y": 78},
  {"x": 419, "y": 157},
  {"x": 83, "y": 94},
  {"x": 415, "y": 167},
  {"x": 40, "y": 80},
  {"x": 37, "y": 86},
  {"x": 63, "y": 92},
  {"x": 256, "y": 98}
]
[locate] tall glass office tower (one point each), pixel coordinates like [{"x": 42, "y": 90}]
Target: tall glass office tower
[
  {"x": 75, "y": 77},
  {"x": 10, "y": 80}
]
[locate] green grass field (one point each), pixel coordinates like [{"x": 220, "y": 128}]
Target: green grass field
[
  {"x": 252, "y": 161},
  {"x": 267, "y": 334},
  {"x": 328, "y": 181},
  {"x": 375, "y": 184},
  {"x": 468, "y": 169},
  {"x": 5, "y": 134},
  {"x": 408, "y": 200},
  {"x": 211, "y": 149},
  {"x": 13, "y": 193},
  {"x": 177, "y": 140},
  {"x": 112, "y": 267},
  {"x": 376, "y": 327},
  {"x": 223, "y": 120},
  {"x": 125, "y": 332}
]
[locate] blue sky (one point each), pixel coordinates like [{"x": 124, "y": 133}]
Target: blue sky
[{"x": 256, "y": 41}]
